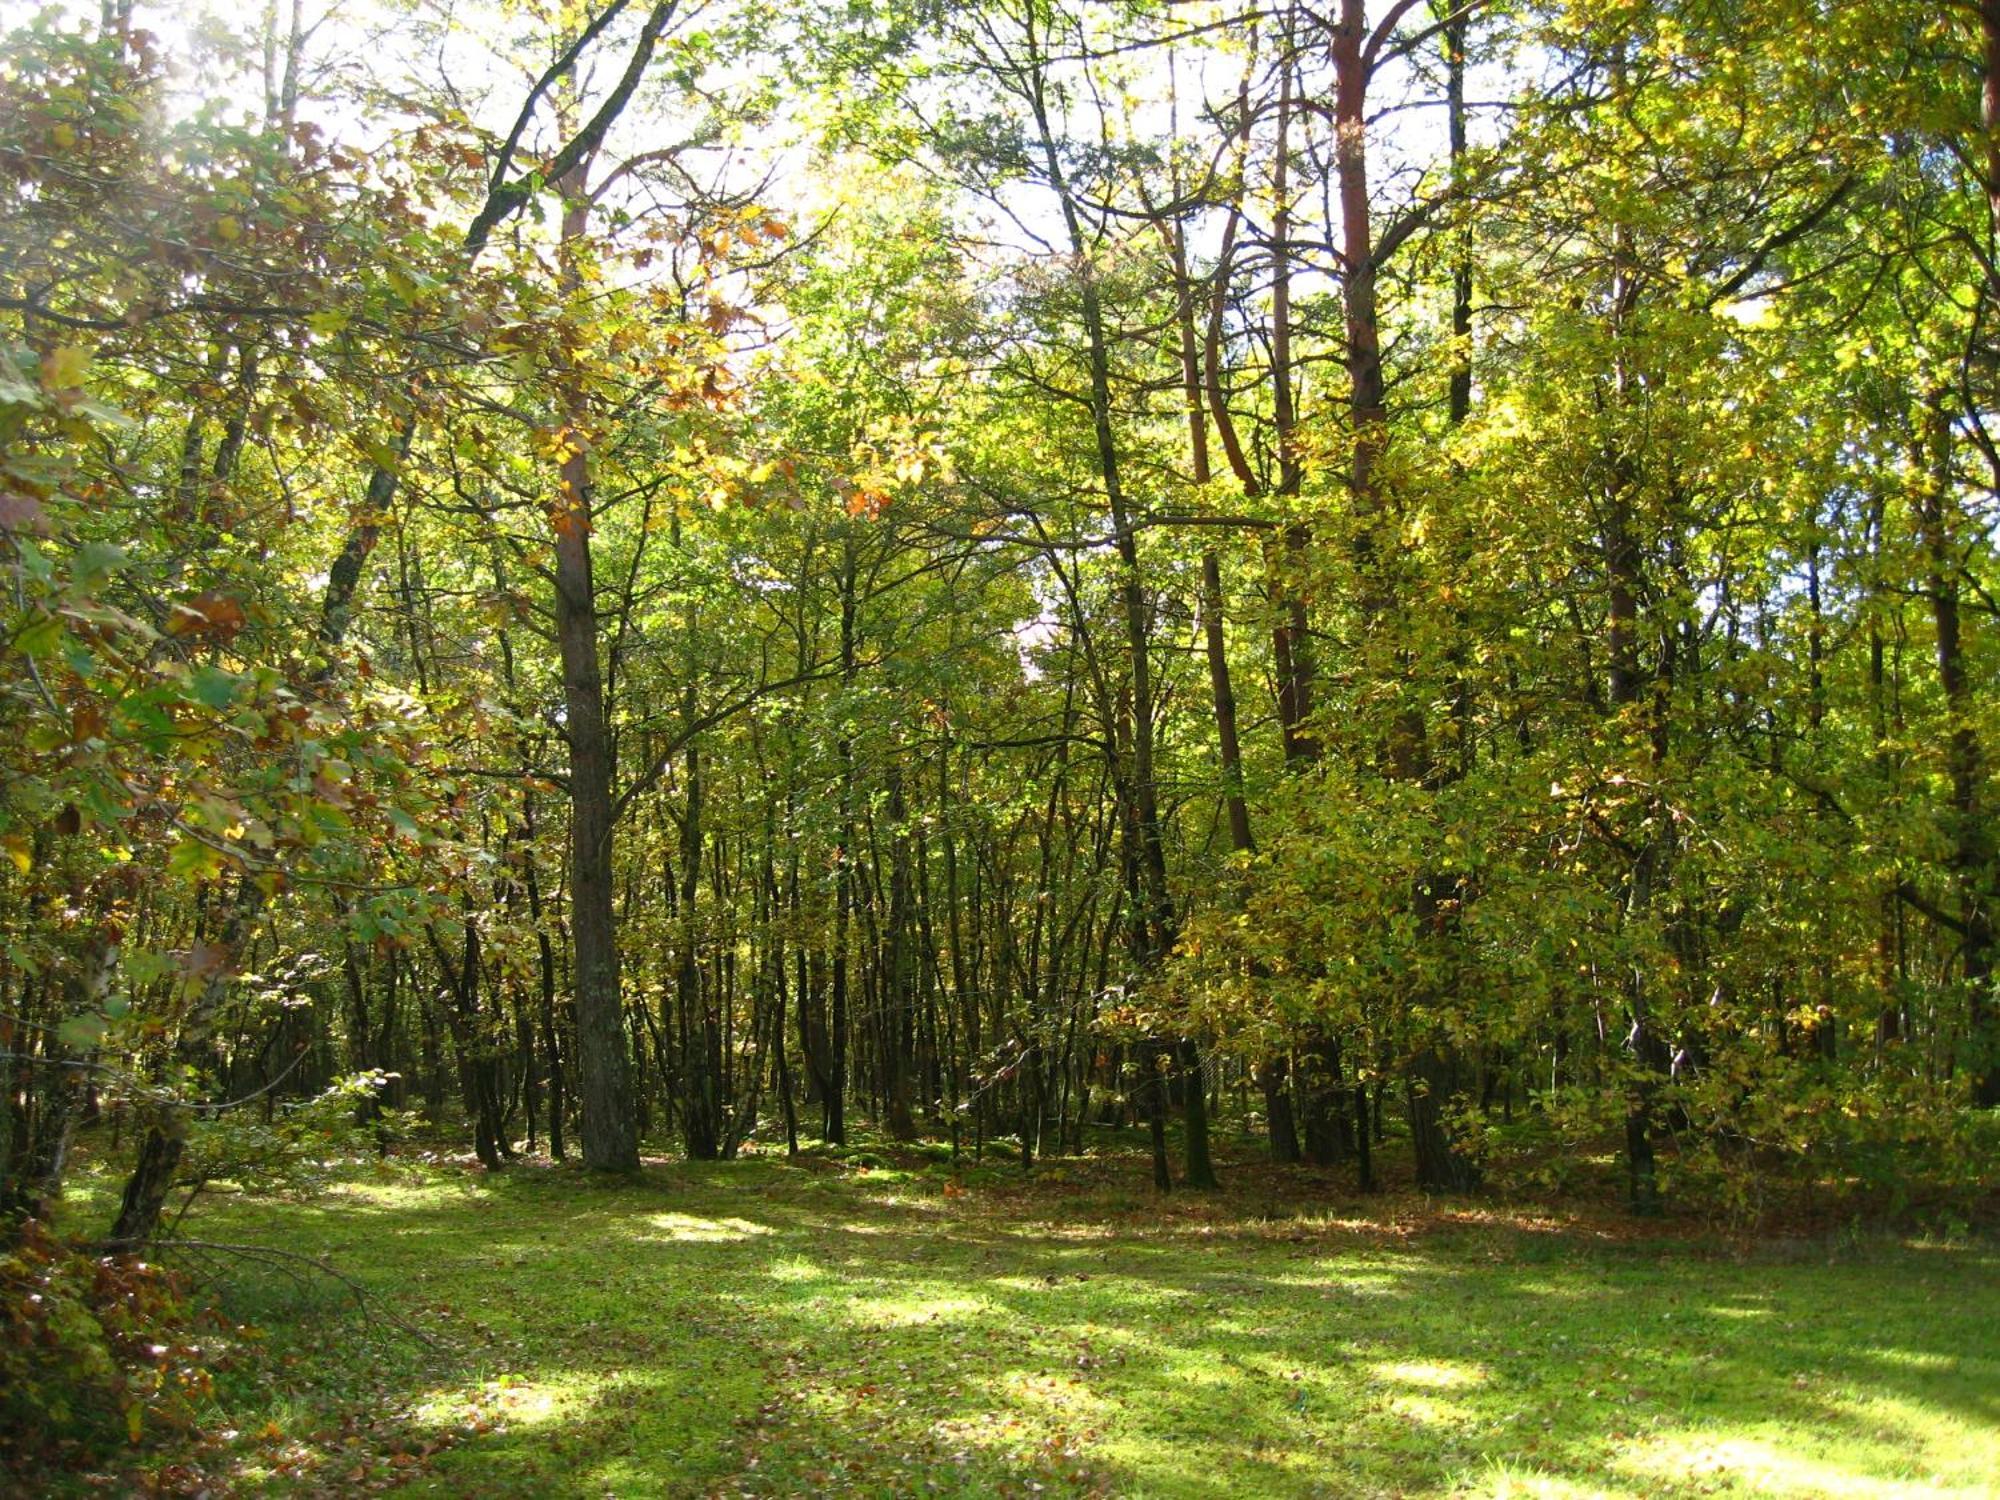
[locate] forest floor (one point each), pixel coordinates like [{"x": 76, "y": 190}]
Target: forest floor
[{"x": 848, "y": 1327}]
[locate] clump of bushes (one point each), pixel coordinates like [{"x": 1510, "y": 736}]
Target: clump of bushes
[
  {"x": 1793, "y": 1146},
  {"x": 97, "y": 1353}
]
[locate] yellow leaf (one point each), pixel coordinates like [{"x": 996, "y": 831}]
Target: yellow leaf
[
  {"x": 64, "y": 367},
  {"x": 19, "y": 850}
]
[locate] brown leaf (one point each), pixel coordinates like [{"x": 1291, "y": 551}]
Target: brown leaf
[
  {"x": 19, "y": 512},
  {"x": 206, "y": 613},
  {"x": 205, "y": 961}
]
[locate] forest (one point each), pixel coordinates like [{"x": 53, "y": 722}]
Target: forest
[{"x": 704, "y": 696}]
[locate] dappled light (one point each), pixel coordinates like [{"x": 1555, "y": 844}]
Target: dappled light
[
  {"x": 837, "y": 1342},
  {"x": 688, "y": 1227},
  {"x": 1435, "y": 1376},
  {"x": 1766, "y": 1467},
  {"x": 999, "y": 748}
]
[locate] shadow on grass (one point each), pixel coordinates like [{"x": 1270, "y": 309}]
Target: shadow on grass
[{"x": 770, "y": 1329}]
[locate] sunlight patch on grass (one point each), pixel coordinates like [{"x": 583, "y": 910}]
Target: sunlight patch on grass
[
  {"x": 796, "y": 1268},
  {"x": 1755, "y": 1466},
  {"x": 1043, "y": 1285},
  {"x": 1548, "y": 1289},
  {"x": 1074, "y": 1234},
  {"x": 914, "y": 1312},
  {"x": 650, "y": 1339},
  {"x": 1324, "y": 1223},
  {"x": 404, "y": 1189},
  {"x": 1057, "y": 1396},
  {"x": 505, "y": 1403},
  {"x": 1429, "y": 1373},
  {"x": 1431, "y": 1411},
  {"x": 1344, "y": 1279},
  {"x": 522, "y": 1402},
  {"x": 862, "y": 1229},
  {"x": 1915, "y": 1359},
  {"x": 1259, "y": 1455},
  {"x": 687, "y": 1227}
]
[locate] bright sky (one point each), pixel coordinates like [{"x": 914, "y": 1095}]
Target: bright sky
[{"x": 369, "y": 63}]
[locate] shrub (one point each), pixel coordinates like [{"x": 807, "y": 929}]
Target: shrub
[{"x": 95, "y": 1352}]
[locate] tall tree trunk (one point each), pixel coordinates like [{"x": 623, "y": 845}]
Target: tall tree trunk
[
  {"x": 701, "y": 1108},
  {"x": 1404, "y": 752},
  {"x": 901, "y": 970},
  {"x": 835, "y": 1103},
  {"x": 604, "y": 1082}
]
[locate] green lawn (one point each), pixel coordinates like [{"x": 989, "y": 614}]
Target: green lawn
[{"x": 761, "y": 1328}]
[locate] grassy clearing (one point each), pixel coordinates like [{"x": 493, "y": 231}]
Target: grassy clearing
[{"x": 767, "y": 1328}]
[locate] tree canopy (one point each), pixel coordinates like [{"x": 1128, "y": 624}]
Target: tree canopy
[{"x": 1417, "y": 577}]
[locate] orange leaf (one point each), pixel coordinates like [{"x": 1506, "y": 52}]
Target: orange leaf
[
  {"x": 569, "y": 521},
  {"x": 207, "y": 613}
]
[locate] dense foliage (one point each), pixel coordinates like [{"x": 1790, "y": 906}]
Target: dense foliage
[{"x": 675, "y": 573}]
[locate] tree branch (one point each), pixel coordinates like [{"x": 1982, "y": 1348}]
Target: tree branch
[{"x": 505, "y": 198}]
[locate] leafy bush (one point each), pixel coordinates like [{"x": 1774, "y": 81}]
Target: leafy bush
[
  {"x": 301, "y": 1148},
  {"x": 1553, "y": 1149},
  {"x": 95, "y": 1351}
]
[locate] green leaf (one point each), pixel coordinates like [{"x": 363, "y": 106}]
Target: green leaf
[
  {"x": 99, "y": 414},
  {"x": 35, "y": 562},
  {"x": 81, "y": 1033},
  {"x": 144, "y": 965},
  {"x": 213, "y": 687},
  {"x": 381, "y": 452},
  {"x": 39, "y": 638},
  {"x": 16, "y": 389},
  {"x": 193, "y": 860},
  {"x": 95, "y": 560}
]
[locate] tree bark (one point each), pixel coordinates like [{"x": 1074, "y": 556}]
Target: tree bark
[{"x": 604, "y": 1083}]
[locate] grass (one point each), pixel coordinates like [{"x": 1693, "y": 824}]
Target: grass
[{"x": 768, "y": 1328}]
